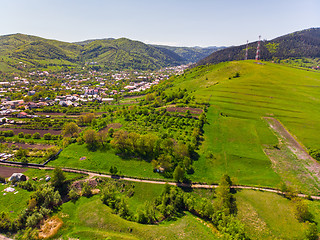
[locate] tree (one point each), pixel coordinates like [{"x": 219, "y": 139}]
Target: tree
[
  {"x": 70, "y": 129},
  {"x": 36, "y": 135},
  {"x": 73, "y": 194},
  {"x": 113, "y": 170},
  {"x": 178, "y": 174},
  {"x": 90, "y": 137},
  {"x": 58, "y": 177},
  {"x": 301, "y": 210},
  {"x": 86, "y": 191},
  {"x": 224, "y": 196},
  {"x": 21, "y": 153},
  {"x": 47, "y": 136},
  {"x": 311, "y": 231}
]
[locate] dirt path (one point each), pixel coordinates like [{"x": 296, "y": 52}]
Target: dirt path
[
  {"x": 192, "y": 185},
  {"x": 297, "y": 148},
  {"x": 2, "y": 237}
]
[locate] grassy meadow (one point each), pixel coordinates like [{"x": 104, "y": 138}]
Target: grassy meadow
[
  {"x": 236, "y": 134},
  {"x": 89, "y": 218},
  {"x": 240, "y": 95},
  {"x": 102, "y": 161},
  {"x": 270, "y": 216},
  {"x": 15, "y": 202}
]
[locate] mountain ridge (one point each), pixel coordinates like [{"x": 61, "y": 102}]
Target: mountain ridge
[{"x": 304, "y": 43}]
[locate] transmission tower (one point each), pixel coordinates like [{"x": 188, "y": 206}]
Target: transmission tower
[
  {"x": 246, "y": 57},
  {"x": 258, "y": 50}
]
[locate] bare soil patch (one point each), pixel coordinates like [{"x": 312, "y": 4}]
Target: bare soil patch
[
  {"x": 287, "y": 139},
  {"x": 111, "y": 125},
  {"x": 32, "y": 131},
  {"x": 196, "y": 111},
  {"x": 31, "y": 146},
  {"x": 50, "y": 227},
  {"x": 78, "y": 184},
  {"x": 8, "y": 171}
]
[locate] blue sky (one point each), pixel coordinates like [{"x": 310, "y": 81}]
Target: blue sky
[{"x": 171, "y": 22}]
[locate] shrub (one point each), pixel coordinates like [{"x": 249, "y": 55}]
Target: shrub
[
  {"x": 47, "y": 136},
  {"x": 2, "y": 179},
  {"x": 86, "y": 191},
  {"x": 36, "y": 135},
  {"x": 27, "y": 136}
]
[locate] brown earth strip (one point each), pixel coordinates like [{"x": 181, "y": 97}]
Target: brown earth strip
[
  {"x": 111, "y": 125},
  {"x": 184, "y": 109},
  {"x": 8, "y": 171},
  {"x": 297, "y": 148},
  {"x": 30, "y": 146},
  {"x": 31, "y": 131}
]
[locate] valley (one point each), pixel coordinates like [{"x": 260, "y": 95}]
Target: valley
[{"x": 118, "y": 140}]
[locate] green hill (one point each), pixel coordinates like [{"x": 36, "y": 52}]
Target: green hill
[
  {"x": 125, "y": 53},
  {"x": 237, "y": 135},
  {"x": 299, "y": 44},
  {"x": 107, "y": 53},
  {"x": 190, "y": 54}
]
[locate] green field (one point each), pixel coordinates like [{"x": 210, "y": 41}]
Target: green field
[
  {"x": 101, "y": 161},
  {"x": 236, "y": 134},
  {"x": 144, "y": 192},
  {"x": 88, "y": 218},
  {"x": 270, "y": 216},
  {"x": 15, "y": 202}
]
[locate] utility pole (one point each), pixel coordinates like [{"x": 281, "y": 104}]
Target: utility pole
[
  {"x": 246, "y": 58},
  {"x": 258, "y": 50}
]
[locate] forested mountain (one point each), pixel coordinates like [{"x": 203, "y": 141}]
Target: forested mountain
[
  {"x": 299, "y": 44},
  {"x": 106, "y": 53},
  {"x": 125, "y": 53},
  {"x": 191, "y": 54}
]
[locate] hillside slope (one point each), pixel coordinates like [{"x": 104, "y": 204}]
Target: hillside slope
[
  {"x": 125, "y": 53},
  {"x": 190, "y": 54},
  {"x": 108, "y": 53},
  {"x": 299, "y": 44},
  {"x": 237, "y": 135}
]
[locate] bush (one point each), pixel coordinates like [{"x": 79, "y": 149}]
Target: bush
[
  {"x": 27, "y": 136},
  {"x": 315, "y": 153},
  {"x": 73, "y": 194},
  {"x": 21, "y": 135},
  {"x": 47, "y": 136},
  {"x": 86, "y": 191},
  {"x": 34, "y": 219},
  {"x": 2, "y": 179},
  {"x": 36, "y": 135}
]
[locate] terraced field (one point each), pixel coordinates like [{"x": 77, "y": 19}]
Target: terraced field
[{"x": 237, "y": 133}]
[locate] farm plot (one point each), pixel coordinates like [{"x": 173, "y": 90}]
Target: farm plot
[
  {"x": 235, "y": 136},
  {"x": 32, "y": 131},
  {"x": 30, "y": 146},
  {"x": 289, "y": 156},
  {"x": 8, "y": 171}
]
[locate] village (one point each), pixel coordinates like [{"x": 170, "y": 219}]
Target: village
[{"x": 22, "y": 96}]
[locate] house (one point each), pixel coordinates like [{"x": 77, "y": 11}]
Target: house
[
  {"x": 22, "y": 115},
  {"x": 31, "y": 93}
]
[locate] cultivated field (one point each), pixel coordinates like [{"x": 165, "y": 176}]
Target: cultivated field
[
  {"x": 8, "y": 171},
  {"x": 236, "y": 133}
]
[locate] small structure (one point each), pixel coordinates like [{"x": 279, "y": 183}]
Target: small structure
[
  {"x": 9, "y": 189},
  {"x": 17, "y": 177},
  {"x": 22, "y": 115},
  {"x": 48, "y": 179}
]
